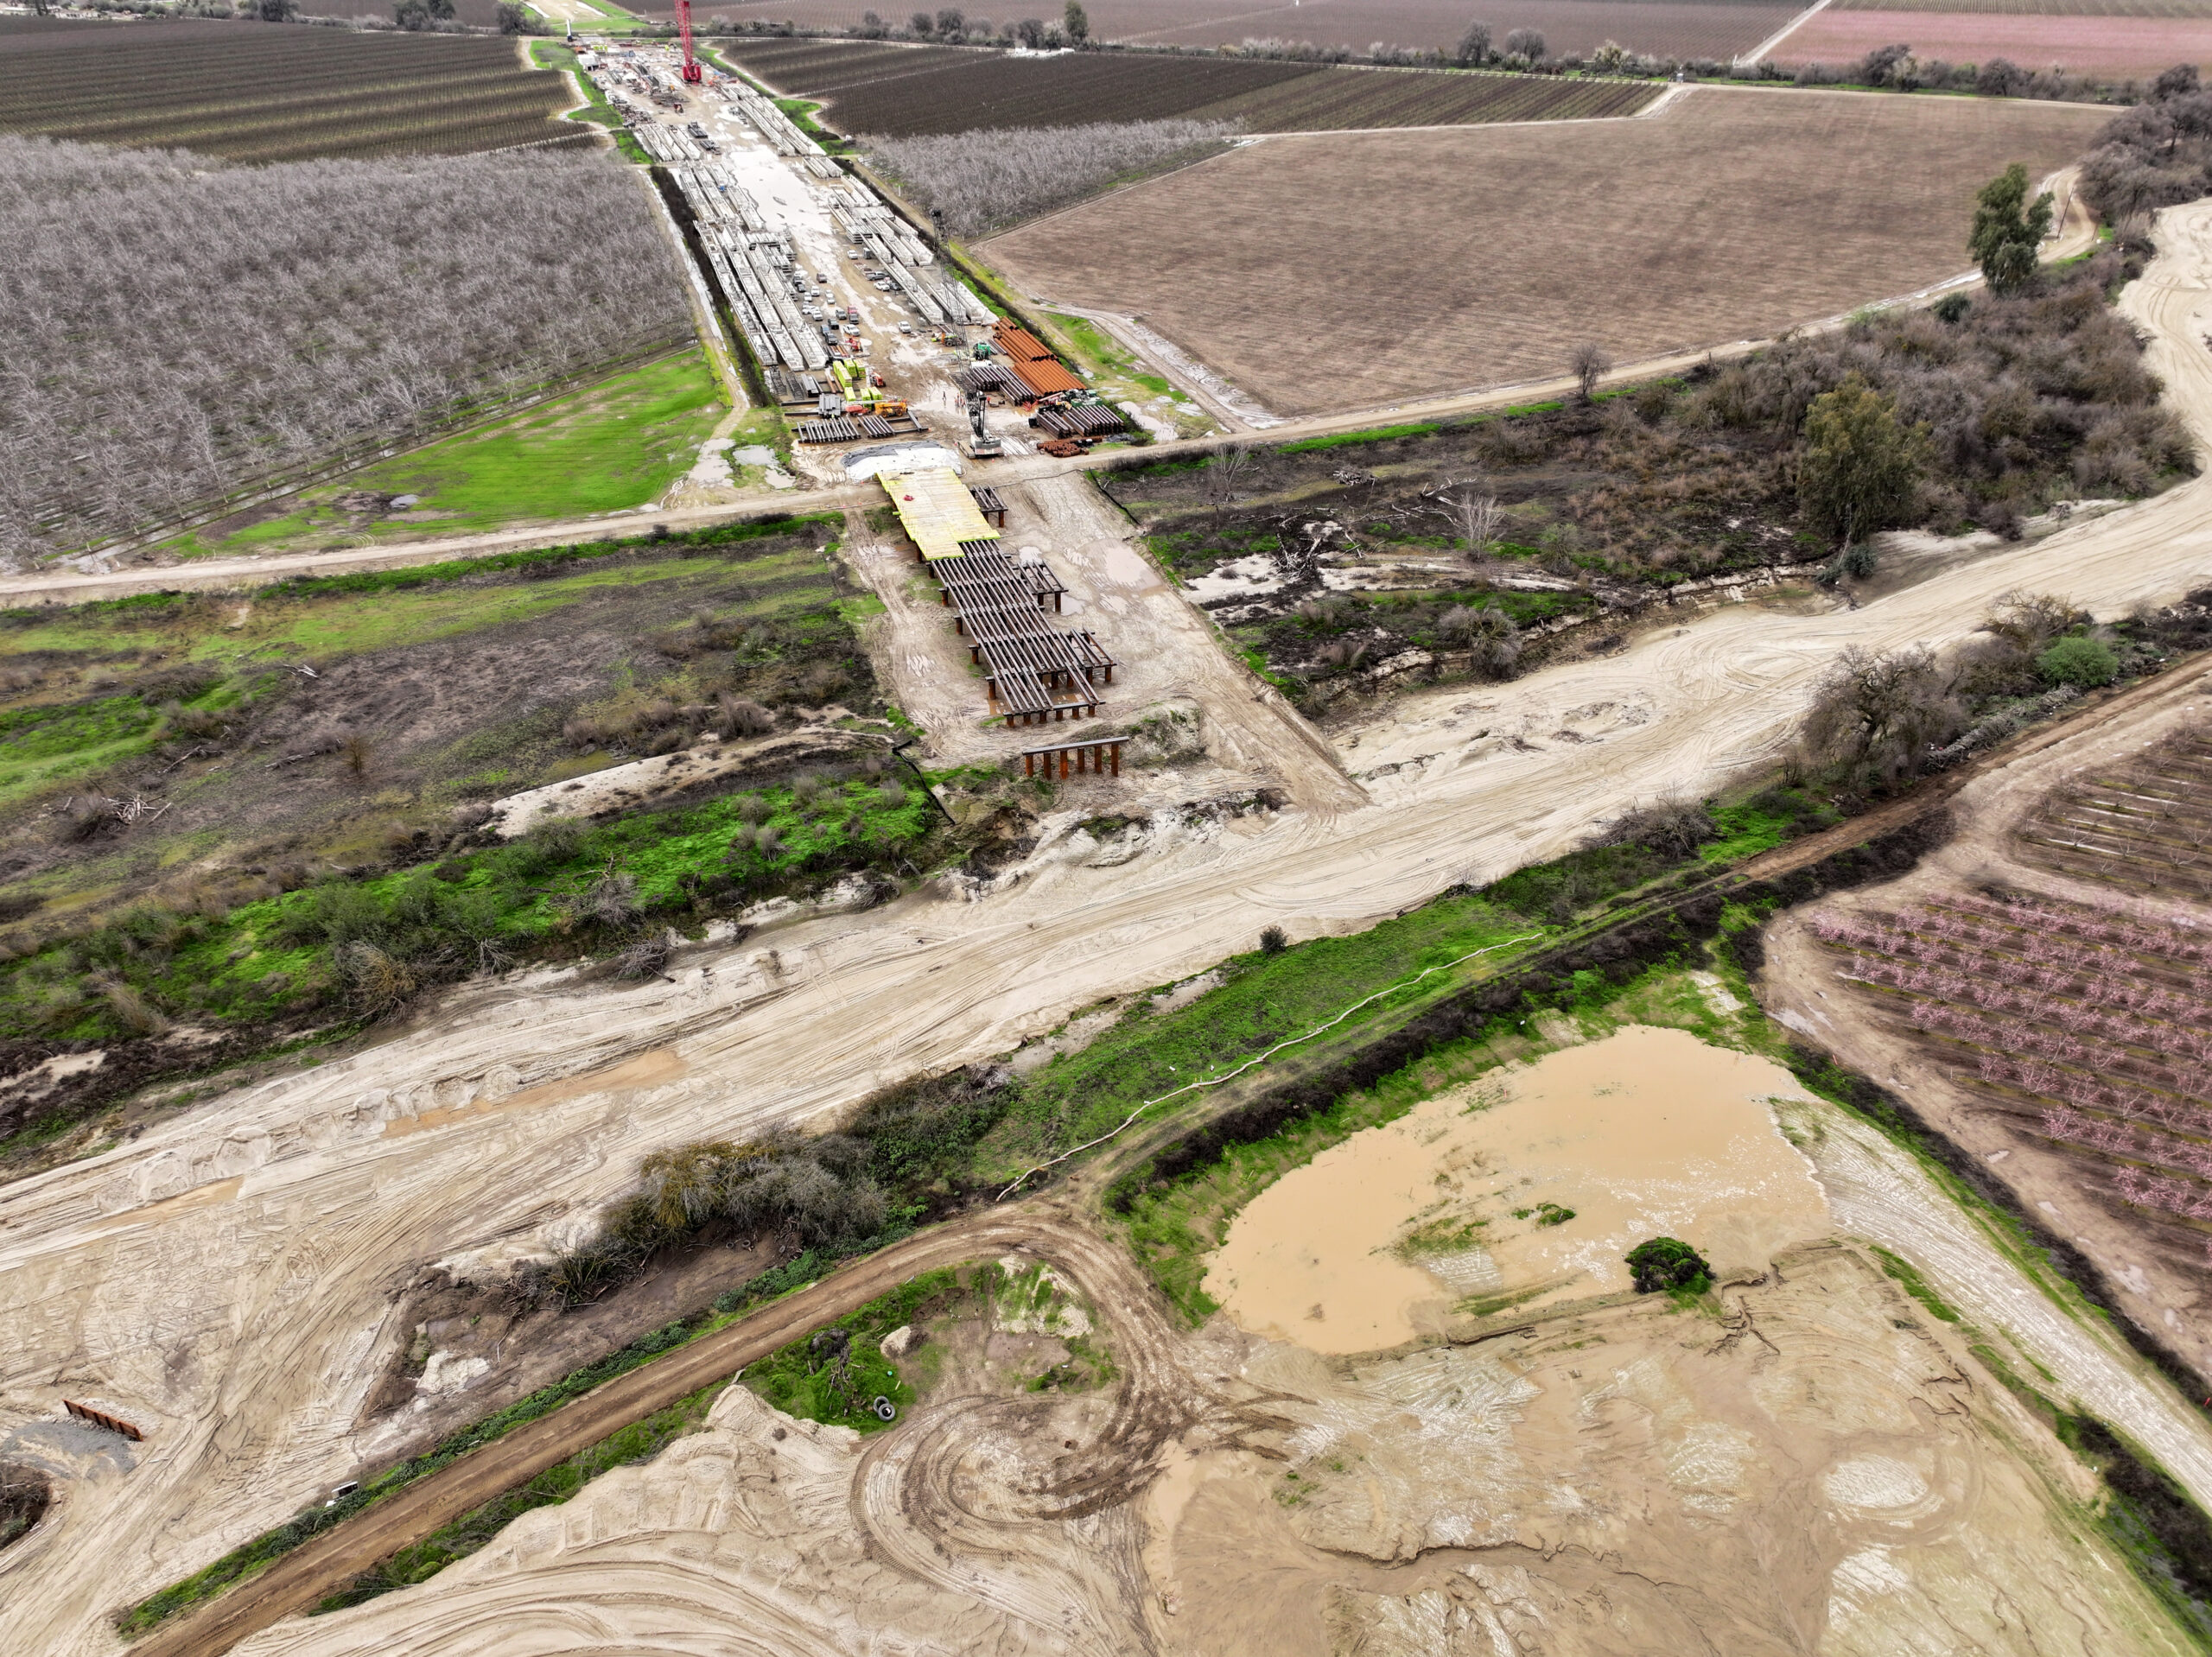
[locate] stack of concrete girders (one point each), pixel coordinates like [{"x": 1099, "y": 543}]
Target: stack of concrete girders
[
  {"x": 771, "y": 321},
  {"x": 773, "y": 125},
  {"x": 924, "y": 301},
  {"x": 955, "y": 292},
  {"x": 667, "y": 144}
]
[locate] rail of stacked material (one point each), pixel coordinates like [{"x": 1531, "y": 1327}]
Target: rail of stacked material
[
  {"x": 882, "y": 253},
  {"x": 913, "y": 250}
]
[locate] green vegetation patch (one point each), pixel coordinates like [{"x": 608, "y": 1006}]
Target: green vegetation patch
[
  {"x": 381, "y": 937},
  {"x": 1267, "y": 998},
  {"x": 1908, "y": 1278},
  {"x": 616, "y": 446},
  {"x": 809, "y": 1380},
  {"x": 42, "y": 746}
]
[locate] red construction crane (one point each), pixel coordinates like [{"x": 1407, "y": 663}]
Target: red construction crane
[{"x": 691, "y": 72}]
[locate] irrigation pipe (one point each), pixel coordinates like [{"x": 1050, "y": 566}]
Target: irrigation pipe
[{"x": 1261, "y": 1058}]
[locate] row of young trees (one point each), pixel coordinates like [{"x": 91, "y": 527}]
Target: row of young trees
[
  {"x": 954, "y": 27},
  {"x": 982, "y": 181},
  {"x": 177, "y": 327},
  {"x": 2102, "y": 1016}
]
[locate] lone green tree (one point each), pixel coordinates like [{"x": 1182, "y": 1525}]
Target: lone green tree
[
  {"x": 1860, "y": 468},
  {"x": 2007, "y": 232},
  {"x": 1077, "y": 21},
  {"x": 1665, "y": 1263}
]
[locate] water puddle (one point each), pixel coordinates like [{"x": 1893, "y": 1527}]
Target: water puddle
[{"x": 1648, "y": 1132}]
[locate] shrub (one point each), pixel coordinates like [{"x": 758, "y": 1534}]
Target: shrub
[
  {"x": 1674, "y": 828},
  {"x": 1273, "y": 942},
  {"x": 1664, "y": 1263},
  {"x": 2082, "y": 663}
]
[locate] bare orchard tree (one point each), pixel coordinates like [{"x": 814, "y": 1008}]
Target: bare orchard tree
[
  {"x": 141, "y": 377},
  {"x": 982, "y": 181},
  {"x": 1475, "y": 515},
  {"x": 1225, "y": 475},
  {"x": 1590, "y": 363}
]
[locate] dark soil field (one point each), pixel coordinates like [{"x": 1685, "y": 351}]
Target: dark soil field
[
  {"x": 990, "y": 89},
  {"x": 477, "y": 14},
  {"x": 265, "y": 92},
  {"x": 2113, "y": 43},
  {"x": 1341, "y": 98},
  {"x": 1349, "y": 272},
  {"x": 900, "y": 91},
  {"x": 1716, "y": 29}
]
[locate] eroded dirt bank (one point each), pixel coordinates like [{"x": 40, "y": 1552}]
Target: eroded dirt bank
[{"x": 226, "y": 1279}]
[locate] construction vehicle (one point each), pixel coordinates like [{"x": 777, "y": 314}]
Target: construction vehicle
[
  {"x": 890, "y": 408},
  {"x": 692, "y": 73},
  {"x": 982, "y": 445}
]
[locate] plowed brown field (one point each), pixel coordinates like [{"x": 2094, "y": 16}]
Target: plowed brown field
[
  {"x": 1346, "y": 272},
  {"x": 2091, "y": 46},
  {"x": 1678, "y": 29}
]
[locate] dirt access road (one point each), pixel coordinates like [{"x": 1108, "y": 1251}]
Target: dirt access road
[
  {"x": 228, "y": 1278},
  {"x": 1147, "y": 1414}
]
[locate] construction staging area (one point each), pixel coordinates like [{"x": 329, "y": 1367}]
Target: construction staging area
[
  {"x": 1035, "y": 672},
  {"x": 833, "y": 292}
]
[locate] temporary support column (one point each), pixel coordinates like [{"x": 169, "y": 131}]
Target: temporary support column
[{"x": 1102, "y": 755}]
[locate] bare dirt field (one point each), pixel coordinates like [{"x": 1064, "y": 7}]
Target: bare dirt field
[
  {"x": 1749, "y": 212},
  {"x": 2135, "y": 46},
  {"x": 230, "y": 1277}
]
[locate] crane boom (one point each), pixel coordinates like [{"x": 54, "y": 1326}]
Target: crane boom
[{"x": 691, "y": 72}]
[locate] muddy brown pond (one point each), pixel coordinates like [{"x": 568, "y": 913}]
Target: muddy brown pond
[{"x": 1648, "y": 1132}]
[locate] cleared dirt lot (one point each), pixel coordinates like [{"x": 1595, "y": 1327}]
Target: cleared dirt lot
[{"x": 1484, "y": 257}]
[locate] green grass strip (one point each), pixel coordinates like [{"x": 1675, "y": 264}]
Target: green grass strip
[{"x": 1230, "y": 1075}]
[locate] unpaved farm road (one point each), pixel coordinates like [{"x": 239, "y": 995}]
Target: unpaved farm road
[{"x": 228, "y": 1279}]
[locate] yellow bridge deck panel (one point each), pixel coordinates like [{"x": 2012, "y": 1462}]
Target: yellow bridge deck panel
[{"x": 938, "y": 512}]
